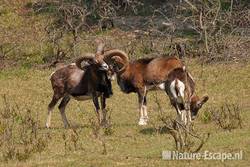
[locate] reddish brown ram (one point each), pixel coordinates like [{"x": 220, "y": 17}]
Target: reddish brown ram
[
  {"x": 180, "y": 88},
  {"x": 143, "y": 75}
]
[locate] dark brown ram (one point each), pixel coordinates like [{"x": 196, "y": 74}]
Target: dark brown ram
[{"x": 86, "y": 79}]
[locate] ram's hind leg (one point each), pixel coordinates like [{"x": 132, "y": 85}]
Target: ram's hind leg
[
  {"x": 62, "y": 107},
  {"x": 50, "y": 108}
]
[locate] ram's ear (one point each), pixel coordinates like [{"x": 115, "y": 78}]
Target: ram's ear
[{"x": 202, "y": 101}]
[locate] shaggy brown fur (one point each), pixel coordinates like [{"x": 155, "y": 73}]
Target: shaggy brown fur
[{"x": 145, "y": 74}]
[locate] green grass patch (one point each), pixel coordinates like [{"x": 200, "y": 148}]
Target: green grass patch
[{"x": 129, "y": 144}]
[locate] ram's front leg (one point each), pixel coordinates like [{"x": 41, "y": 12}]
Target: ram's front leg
[
  {"x": 142, "y": 108},
  {"x": 97, "y": 108},
  {"x": 187, "y": 116},
  {"x": 104, "y": 111},
  {"x": 179, "y": 112},
  {"x": 145, "y": 110},
  {"x": 188, "y": 119}
]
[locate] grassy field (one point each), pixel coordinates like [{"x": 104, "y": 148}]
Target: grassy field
[{"x": 127, "y": 143}]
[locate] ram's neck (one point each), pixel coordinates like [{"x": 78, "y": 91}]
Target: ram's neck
[{"x": 124, "y": 80}]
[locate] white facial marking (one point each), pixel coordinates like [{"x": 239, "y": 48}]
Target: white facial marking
[{"x": 105, "y": 66}]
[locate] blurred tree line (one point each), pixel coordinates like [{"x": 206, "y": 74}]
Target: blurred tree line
[{"x": 210, "y": 23}]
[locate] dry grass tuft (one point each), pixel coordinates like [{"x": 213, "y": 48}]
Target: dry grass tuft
[
  {"x": 19, "y": 133},
  {"x": 186, "y": 139},
  {"x": 227, "y": 116}
]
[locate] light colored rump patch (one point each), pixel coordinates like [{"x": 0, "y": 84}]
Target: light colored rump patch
[
  {"x": 162, "y": 86},
  {"x": 179, "y": 86},
  {"x": 172, "y": 89}
]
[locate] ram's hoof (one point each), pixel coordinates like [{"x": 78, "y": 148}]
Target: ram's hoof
[
  {"x": 47, "y": 125},
  {"x": 142, "y": 122}
]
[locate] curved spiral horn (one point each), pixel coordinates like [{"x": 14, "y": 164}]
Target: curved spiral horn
[
  {"x": 88, "y": 59},
  {"x": 109, "y": 55}
]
